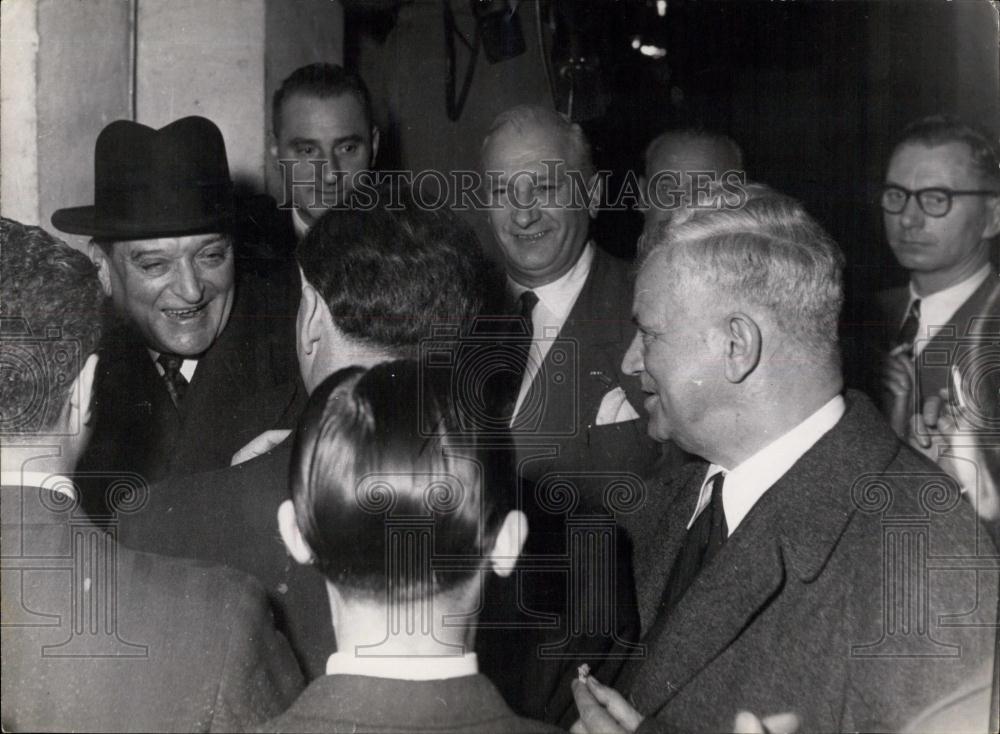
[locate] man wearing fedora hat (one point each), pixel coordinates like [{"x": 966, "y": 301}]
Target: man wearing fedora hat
[{"x": 201, "y": 361}]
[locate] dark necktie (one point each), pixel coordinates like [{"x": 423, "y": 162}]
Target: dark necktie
[
  {"x": 176, "y": 382},
  {"x": 522, "y": 341},
  {"x": 908, "y": 331},
  {"x": 703, "y": 540}
]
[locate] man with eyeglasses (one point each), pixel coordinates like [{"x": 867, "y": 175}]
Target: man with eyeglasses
[{"x": 941, "y": 377}]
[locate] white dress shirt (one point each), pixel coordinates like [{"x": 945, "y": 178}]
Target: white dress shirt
[
  {"x": 435, "y": 667},
  {"x": 555, "y": 301},
  {"x": 188, "y": 366},
  {"x": 299, "y": 224},
  {"x": 54, "y": 482},
  {"x": 937, "y": 309},
  {"x": 748, "y": 482}
]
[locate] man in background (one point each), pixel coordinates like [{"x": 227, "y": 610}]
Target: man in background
[
  {"x": 941, "y": 210},
  {"x": 97, "y": 637}
]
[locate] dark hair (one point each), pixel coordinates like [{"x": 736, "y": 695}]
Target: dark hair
[
  {"x": 392, "y": 272},
  {"x": 387, "y": 483},
  {"x": 322, "y": 81},
  {"x": 943, "y": 129},
  {"x": 51, "y": 305}
]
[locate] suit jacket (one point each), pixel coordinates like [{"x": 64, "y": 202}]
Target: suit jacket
[
  {"x": 976, "y": 321},
  {"x": 555, "y": 430},
  {"x": 229, "y": 516},
  {"x": 243, "y": 386},
  {"x": 353, "y": 703},
  {"x": 154, "y": 644},
  {"x": 793, "y": 614}
]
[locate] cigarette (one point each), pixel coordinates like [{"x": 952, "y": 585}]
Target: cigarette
[{"x": 957, "y": 391}]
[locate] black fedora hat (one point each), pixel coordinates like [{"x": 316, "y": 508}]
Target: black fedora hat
[{"x": 155, "y": 183}]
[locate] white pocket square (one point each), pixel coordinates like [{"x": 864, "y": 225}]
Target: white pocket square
[{"x": 615, "y": 408}]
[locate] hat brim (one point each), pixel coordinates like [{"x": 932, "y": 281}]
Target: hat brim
[{"x": 84, "y": 220}]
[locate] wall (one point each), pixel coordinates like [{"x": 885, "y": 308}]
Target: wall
[{"x": 69, "y": 67}]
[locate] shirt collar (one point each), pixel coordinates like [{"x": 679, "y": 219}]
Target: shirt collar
[
  {"x": 299, "y": 224},
  {"x": 748, "y": 482},
  {"x": 937, "y": 308},
  {"x": 403, "y": 668},
  {"x": 559, "y": 296},
  {"x": 188, "y": 366},
  {"x": 53, "y": 482}
]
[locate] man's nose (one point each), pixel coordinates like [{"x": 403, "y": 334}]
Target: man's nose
[
  {"x": 188, "y": 285},
  {"x": 912, "y": 215},
  {"x": 526, "y": 213},
  {"x": 331, "y": 168},
  {"x": 632, "y": 361}
]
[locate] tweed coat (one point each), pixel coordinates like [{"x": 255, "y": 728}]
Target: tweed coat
[
  {"x": 848, "y": 594},
  {"x": 353, "y": 703},
  {"x": 160, "y": 644}
]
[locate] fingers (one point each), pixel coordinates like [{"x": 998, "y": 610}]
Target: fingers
[
  {"x": 594, "y": 718},
  {"x": 784, "y": 723},
  {"x": 260, "y": 445},
  {"x": 747, "y": 723},
  {"x": 615, "y": 703}
]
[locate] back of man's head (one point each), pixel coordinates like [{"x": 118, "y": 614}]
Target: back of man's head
[
  {"x": 322, "y": 81},
  {"x": 771, "y": 256},
  {"x": 51, "y": 306},
  {"x": 699, "y": 149},
  {"x": 386, "y": 482},
  {"x": 393, "y": 274}
]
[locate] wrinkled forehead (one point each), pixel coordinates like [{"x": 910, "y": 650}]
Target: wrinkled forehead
[{"x": 916, "y": 164}]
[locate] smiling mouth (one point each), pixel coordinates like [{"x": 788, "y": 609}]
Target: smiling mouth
[
  {"x": 531, "y": 237},
  {"x": 183, "y": 314}
]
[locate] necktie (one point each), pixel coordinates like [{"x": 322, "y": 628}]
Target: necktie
[
  {"x": 703, "y": 540},
  {"x": 522, "y": 341},
  {"x": 176, "y": 382},
  {"x": 911, "y": 325}
]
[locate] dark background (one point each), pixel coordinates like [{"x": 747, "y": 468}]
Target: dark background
[{"x": 814, "y": 92}]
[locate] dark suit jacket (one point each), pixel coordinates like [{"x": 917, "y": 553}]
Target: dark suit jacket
[
  {"x": 162, "y": 645},
  {"x": 977, "y": 320},
  {"x": 229, "y": 516},
  {"x": 352, "y": 703},
  {"x": 242, "y": 387},
  {"x": 555, "y": 430},
  {"x": 793, "y": 613}
]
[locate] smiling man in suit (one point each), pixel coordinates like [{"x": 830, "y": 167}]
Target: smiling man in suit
[
  {"x": 200, "y": 361},
  {"x": 97, "y": 637},
  {"x": 571, "y": 411},
  {"x": 762, "y": 576}
]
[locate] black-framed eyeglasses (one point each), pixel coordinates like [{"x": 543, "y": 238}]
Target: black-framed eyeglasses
[{"x": 934, "y": 202}]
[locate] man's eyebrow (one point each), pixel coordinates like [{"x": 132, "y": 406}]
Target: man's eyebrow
[
  {"x": 138, "y": 254},
  {"x": 215, "y": 240}
]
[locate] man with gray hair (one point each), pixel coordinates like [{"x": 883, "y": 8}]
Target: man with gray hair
[
  {"x": 571, "y": 411},
  {"x": 762, "y": 572}
]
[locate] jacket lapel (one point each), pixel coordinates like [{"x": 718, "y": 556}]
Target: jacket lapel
[{"x": 791, "y": 531}]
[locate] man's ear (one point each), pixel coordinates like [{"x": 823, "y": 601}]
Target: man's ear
[
  {"x": 81, "y": 393},
  {"x": 375, "y": 141},
  {"x": 596, "y": 186},
  {"x": 101, "y": 260},
  {"x": 297, "y": 546},
  {"x": 742, "y": 346},
  {"x": 309, "y": 323},
  {"x": 509, "y": 542}
]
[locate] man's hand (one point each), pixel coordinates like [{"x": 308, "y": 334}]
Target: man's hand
[
  {"x": 939, "y": 432},
  {"x": 897, "y": 383},
  {"x": 260, "y": 445},
  {"x": 746, "y": 723},
  {"x": 602, "y": 709}
]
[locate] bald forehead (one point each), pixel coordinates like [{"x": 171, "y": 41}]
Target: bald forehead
[
  {"x": 531, "y": 140},
  {"x": 687, "y": 153}
]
